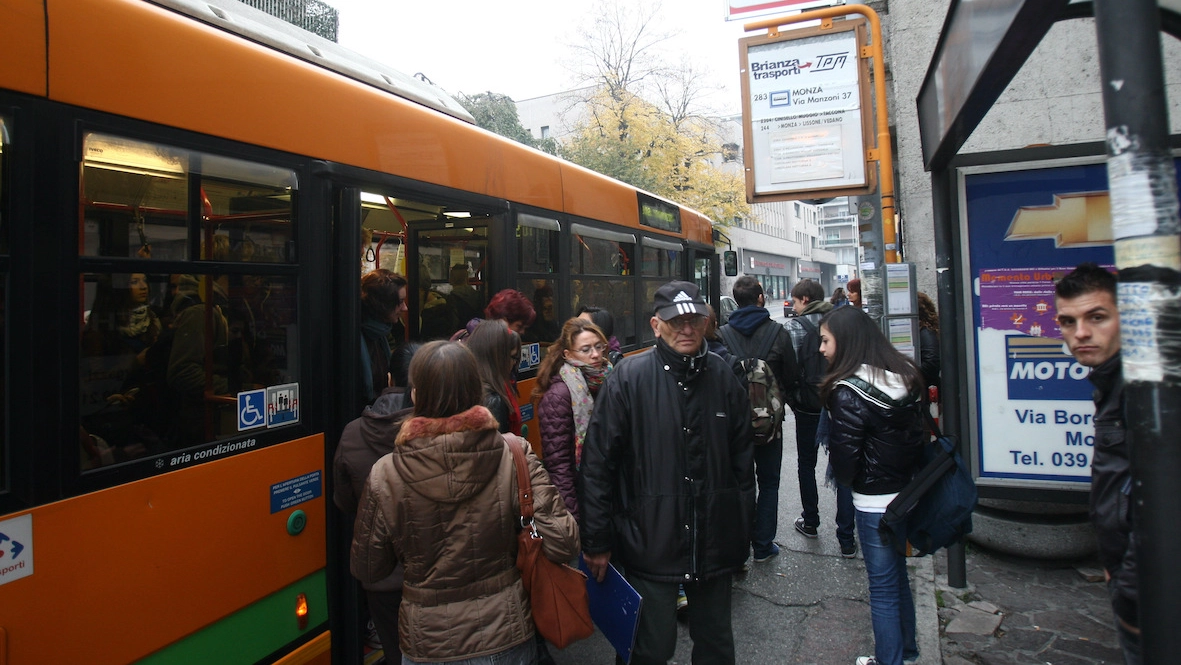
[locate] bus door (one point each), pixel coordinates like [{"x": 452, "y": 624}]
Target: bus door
[{"x": 703, "y": 262}]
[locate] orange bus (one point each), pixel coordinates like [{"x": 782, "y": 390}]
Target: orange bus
[{"x": 189, "y": 195}]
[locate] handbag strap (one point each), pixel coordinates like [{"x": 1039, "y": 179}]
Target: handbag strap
[{"x": 524, "y": 487}]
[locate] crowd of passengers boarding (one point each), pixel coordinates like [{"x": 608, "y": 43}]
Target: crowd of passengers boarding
[{"x": 429, "y": 477}]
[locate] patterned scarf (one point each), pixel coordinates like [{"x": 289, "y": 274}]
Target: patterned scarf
[
  {"x": 584, "y": 382},
  {"x": 138, "y": 322}
]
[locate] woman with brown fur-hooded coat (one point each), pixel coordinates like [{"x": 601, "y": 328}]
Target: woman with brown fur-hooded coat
[{"x": 445, "y": 504}]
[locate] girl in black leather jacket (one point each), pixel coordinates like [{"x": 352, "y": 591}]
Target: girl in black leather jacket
[{"x": 873, "y": 397}]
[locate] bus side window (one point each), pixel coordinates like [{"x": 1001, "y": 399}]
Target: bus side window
[
  {"x": 661, "y": 261},
  {"x": 537, "y": 261},
  {"x": 602, "y": 276},
  {"x": 163, "y": 358}
]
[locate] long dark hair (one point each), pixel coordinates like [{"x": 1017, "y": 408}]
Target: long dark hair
[
  {"x": 859, "y": 341},
  {"x": 493, "y": 343},
  {"x": 555, "y": 356},
  {"x": 446, "y": 380}
]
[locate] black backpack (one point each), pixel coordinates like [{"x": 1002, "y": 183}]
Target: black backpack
[
  {"x": 763, "y": 389},
  {"x": 813, "y": 367}
]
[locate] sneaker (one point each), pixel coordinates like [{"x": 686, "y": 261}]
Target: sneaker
[
  {"x": 805, "y": 530},
  {"x": 867, "y": 660},
  {"x": 849, "y": 549},
  {"x": 767, "y": 556},
  {"x": 372, "y": 639}
]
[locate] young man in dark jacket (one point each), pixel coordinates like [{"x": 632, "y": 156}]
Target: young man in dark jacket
[
  {"x": 744, "y": 336},
  {"x": 668, "y": 482},
  {"x": 807, "y": 298},
  {"x": 1089, "y": 319}
]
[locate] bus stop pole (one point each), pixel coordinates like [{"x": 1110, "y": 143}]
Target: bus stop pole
[
  {"x": 951, "y": 330},
  {"x": 1145, "y": 227}
]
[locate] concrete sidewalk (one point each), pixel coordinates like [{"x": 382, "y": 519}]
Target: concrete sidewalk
[{"x": 807, "y": 605}]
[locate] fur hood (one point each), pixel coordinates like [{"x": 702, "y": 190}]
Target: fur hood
[{"x": 451, "y": 459}]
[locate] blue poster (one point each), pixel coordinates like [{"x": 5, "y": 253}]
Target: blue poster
[{"x": 1025, "y": 229}]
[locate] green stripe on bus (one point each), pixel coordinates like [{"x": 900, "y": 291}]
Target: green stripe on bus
[{"x": 253, "y": 632}]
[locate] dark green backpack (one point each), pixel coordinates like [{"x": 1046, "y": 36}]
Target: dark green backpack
[{"x": 763, "y": 389}]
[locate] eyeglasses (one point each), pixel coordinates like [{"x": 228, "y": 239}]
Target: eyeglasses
[
  {"x": 586, "y": 350},
  {"x": 691, "y": 320}
]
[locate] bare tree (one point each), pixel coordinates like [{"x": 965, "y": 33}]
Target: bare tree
[{"x": 621, "y": 49}]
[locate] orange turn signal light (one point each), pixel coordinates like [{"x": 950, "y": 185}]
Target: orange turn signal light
[{"x": 301, "y": 610}]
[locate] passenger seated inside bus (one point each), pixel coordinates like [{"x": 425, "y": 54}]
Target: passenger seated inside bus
[
  {"x": 116, "y": 336},
  {"x": 437, "y": 319},
  {"x": 546, "y": 327},
  {"x": 145, "y": 384},
  {"x": 463, "y": 298}
]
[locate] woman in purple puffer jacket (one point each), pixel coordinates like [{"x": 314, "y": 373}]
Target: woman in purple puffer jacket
[{"x": 574, "y": 368}]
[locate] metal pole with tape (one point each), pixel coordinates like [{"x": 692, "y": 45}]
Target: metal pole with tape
[{"x": 1145, "y": 226}]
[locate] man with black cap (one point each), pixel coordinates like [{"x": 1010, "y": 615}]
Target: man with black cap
[{"x": 667, "y": 481}]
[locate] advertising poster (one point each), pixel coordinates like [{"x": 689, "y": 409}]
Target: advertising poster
[
  {"x": 805, "y": 113},
  {"x": 1025, "y": 229}
]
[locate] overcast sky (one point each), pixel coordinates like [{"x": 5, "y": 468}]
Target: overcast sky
[{"x": 521, "y": 47}]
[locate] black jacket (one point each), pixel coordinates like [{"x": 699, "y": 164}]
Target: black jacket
[
  {"x": 1112, "y": 508},
  {"x": 667, "y": 479},
  {"x": 875, "y": 442},
  {"x": 929, "y": 356}
]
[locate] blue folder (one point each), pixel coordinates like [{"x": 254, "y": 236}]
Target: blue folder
[{"x": 614, "y": 607}]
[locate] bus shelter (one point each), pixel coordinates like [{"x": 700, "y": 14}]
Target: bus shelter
[{"x": 1008, "y": 224}]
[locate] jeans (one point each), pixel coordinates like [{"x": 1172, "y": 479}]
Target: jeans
[
  {"x": 768, "y": 468},
  {"x": 890, "y": 604},
  {"x": 710, "y": 625},
  {"x": 845, "y": 514},
  {"x": 522, "y": 654},
  {"x": 1129, "y": 642},
  {"x": 807, "y": 450}
]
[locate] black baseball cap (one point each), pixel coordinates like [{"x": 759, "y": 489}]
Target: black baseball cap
[{"x": 677, "y": 299}]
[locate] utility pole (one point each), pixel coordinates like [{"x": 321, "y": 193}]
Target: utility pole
[{"x": 1144, "y": 221}]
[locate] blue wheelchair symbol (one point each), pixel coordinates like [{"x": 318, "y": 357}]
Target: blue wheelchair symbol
[{"x": 252, "y": 407}]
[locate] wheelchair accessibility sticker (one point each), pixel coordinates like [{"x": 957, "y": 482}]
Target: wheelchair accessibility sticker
[
  {"x": 252, "y": 409},
  {"x": 283, "y": 405},
  {"x": 16, "y": 548}
]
